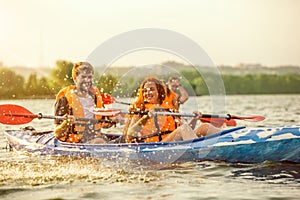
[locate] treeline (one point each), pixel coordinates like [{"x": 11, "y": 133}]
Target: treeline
[
  {"x": 14, "y": 86},
  {"x": 249, "y": 83},
  {"x": 262, "y": 84}
]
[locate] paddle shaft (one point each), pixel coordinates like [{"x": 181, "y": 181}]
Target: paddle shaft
[
  {"x": 14, "y": 114},
  {"x": 213, "y": 116},
  {"x": 41, "y": 116},
  {"x": 121, "y": 102},
  {"x": 227, "y": 116},
  {"x": 194, "y": 115}
]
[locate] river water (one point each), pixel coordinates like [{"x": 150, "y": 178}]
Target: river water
[{"x": 29, "y": 177}]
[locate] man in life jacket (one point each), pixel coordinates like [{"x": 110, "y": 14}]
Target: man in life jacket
[{"x": 78, "y": 101}]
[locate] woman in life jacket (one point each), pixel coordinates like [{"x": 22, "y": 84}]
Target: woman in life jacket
[
  {"x": 158, "y": 128},
  {"x": 78, "y": 101}
]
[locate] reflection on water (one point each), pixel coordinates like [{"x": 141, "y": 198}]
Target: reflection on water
[
  {"x": 277, "y": 173},
  {"x": 34, "y": 177}
]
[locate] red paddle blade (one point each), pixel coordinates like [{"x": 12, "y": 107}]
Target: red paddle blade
[
  {"x": 219, "y": 122},
  {"x": 230, "y": 122},
  {"x": 14, "y": 114},
  {"x": 107, "y": 99},
  {"x": 255, "y": 118},
  {"x": 107, "y": 111}
]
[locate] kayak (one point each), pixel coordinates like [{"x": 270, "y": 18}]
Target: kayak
[{"x": 238, "y": 144}]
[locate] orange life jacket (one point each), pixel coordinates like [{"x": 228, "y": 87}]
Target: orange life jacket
[
  {"x": 74, "y": 102},
  {"x": 160, "y": 127},
  {"x": 169, "y": 101}
]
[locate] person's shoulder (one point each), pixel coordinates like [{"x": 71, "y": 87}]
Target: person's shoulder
[
  {"x": 173, "y": 94},
  {"x": 96, "y": 92},
  {"x": 63, "y": 91}
]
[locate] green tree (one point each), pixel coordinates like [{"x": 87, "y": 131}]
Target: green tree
[
  {"x": 199, "y": 86},
  {"x": 11, "y": 84},
  {"x": 62, "y": 74},
  {"x": 31, "y": 85},
  {"x": 44, "y": 88},
  {"x": 106, "y": 83}
]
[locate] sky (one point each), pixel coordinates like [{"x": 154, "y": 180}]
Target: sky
[{"x": 37, "y": 33}]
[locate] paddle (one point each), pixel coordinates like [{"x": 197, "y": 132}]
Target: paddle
[
  {"x": 16, "y": 115},
  {"x": 108, "y": 99},
  {"x": 113, "y": 111},
  {"x": 219, "y": 122},
  {"x": 254, "y": 118}
]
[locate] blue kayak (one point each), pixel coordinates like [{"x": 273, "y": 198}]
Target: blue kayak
[{"x": 239, "y": 144}]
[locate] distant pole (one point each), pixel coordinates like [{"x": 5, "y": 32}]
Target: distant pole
[{"x": 41, "y": 60}]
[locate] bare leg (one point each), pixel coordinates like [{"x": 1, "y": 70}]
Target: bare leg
[
  {"x": 183, "y": 132},
  {"x": 206, "y": 129},
  {"x": 98, "y": 140}
]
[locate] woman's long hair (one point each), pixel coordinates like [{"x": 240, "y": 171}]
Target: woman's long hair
[{"x": 139, "y": 104}]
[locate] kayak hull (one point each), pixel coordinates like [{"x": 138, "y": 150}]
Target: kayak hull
[{"x": 239, "y": 144}]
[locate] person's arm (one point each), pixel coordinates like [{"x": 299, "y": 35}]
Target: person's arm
[
  {"x": 61, "y": 126},
  {"x": 183, "y": 94},
  {"x": 175, "y": 85},
  {"x": 61, "y": 130},
  {"x": 110, "y": 122},
  {"x": 195, "y": 119},
  {"x": 60, "y": 109},
  {"x": 135, "y": 127}
]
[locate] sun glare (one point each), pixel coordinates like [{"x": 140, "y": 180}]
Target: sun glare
[{"x": 5, "y": 25}]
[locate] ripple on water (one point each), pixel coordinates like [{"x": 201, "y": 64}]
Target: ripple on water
[
  {"x": 276, "y": 173},
  {"x": 32, "y": 177}
]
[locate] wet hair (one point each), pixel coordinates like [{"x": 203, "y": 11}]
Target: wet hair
[
  {"x": 81, "y": 66},
  {"x": 168, "y": 91},
  {"x": 161, "y": 89}
]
